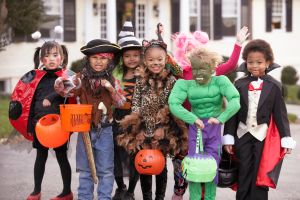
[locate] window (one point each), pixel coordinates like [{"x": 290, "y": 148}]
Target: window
[
  {"x": 69, "y": 21},
  {"x": 230, "y": 17},
  {"x": 277, "y": 14},
  {"x": 53, "y": 12},
  {"x": 103, "y": 21},
  {"x": 194, "y": 15},
  {"x": 140, "y": 19}
]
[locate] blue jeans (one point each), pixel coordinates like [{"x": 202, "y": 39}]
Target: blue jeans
[{"x": 103, "y": 149}]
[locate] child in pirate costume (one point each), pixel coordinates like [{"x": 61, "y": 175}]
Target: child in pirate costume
[
  {"x": 261, "y": 104},
  {"x": 131, "y": 51},
  {"x": 151, "y": 126},
  {"x": 33, "y": 98},
  {"x": 205, "y": 94},
  {"x": 97, "y": 86}
]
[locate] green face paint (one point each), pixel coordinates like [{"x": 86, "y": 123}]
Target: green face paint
[{"x": 201, "y": 72}]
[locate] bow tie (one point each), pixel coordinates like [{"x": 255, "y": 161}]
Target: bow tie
[{"x": 252, "y": 88}]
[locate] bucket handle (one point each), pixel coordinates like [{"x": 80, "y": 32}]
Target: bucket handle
[{"x": 199, "y": 144}]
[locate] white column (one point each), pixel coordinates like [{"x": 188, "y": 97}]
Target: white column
[
  {"x": 164, "y": 8},
  {"x": 88, "y": 18},
  {"x": 111, "y": 20},
  {"x": 184, "y": 16}
]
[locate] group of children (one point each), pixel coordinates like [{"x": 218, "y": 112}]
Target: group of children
[{"x": 144, "y": 103}]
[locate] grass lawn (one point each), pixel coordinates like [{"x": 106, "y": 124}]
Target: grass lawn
[{"x": 5, "y": 127}]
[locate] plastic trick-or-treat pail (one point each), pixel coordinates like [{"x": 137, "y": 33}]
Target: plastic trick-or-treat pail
[
  {"x": 76, "y": 117},
  {"x": 49, "y": 132}
]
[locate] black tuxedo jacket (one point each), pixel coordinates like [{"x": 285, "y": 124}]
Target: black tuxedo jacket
[{"x": 271, "y": 103}]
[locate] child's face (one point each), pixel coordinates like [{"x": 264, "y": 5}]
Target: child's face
[
  {"x": 257, "y": 63},
  {"x": 52, "y": 59},
  {"x": 155, "y": 59},
  {"x": 202, "y": 74},
  {"x": 132, "y": 58},
  {"x": 99, "y": 62}
]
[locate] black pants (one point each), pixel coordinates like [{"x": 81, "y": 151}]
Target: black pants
[
  {"x": 161, "y": 185},
  {"x": 249, "y": 151}
]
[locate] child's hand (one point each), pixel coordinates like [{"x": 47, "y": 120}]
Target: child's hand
[
  {"x": 105, "y": 83},
  {"x": 287, "y": 150},
  {"x": 199, "y": 123},
  {"x": 213, "y": 120},
  {"x": 46, "y": 103},
  {"x": 228, "y": 149},
  {"x": 242, "y": 35}
]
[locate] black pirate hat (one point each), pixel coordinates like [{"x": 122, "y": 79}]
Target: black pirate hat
[{"x": 99, "y": 46}]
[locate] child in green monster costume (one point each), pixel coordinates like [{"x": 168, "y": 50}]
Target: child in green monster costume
[{"x": 205, "y": 93}]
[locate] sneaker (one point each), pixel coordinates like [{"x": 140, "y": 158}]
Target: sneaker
[
  {"x": 128, "y": 196},
  {"x": 119, "y": 193}
]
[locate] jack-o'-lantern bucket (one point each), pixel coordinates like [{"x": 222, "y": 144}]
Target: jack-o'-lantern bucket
[
  {"x": 149, "y": 161},
  {"x": 76, "y": 117},
  {"x": 49, "y": 132}
]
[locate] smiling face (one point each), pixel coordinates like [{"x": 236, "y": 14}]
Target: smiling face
[
  {"x": 52, "y": 59},
  {"x": 257, "y": 63},
  {"x": 99, "y": 62},
  {"x": 202, "y": 72},
  {"x": 155, "y": 59},
  {"x": 132, "y": 58}
]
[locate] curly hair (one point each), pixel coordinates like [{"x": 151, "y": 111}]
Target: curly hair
[{"x": 261, "y": 46}]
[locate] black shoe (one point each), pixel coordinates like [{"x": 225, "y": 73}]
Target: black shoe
[
  {"x": 128, "y": 196},
  {"x": 119, "y": 194}
]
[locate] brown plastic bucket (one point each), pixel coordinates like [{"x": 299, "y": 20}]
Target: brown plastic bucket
[{"x": 76, "y": 117}]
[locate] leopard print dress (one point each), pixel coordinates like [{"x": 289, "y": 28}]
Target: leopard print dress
[{"x": 151, "y": 125}]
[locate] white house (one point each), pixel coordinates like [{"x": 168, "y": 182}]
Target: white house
[{"x": 272, "y": 20}]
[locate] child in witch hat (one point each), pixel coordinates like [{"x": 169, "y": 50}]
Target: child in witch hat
[{"x": 131, "y": 51}]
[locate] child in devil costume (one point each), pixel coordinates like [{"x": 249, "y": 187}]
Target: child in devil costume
[
  {"x": 205, "y": 94},
  {"x": 35, "y": 97},
  {"x": 261, "y": 101}
]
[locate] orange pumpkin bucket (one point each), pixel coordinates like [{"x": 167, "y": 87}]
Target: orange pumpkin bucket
[
  {"x": 49, "y": 132},
  {"x": 76, "y": 117},
  {"x": 149, "y": 161}
]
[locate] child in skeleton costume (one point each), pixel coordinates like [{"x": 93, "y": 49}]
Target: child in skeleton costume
[
  {"x": 184, "y": 43},
  {"x": 151, "y": 126},
  {"x": 205, "y": 93},
  {"x": 97, "y": 86},
  {"x": 262, "y": 106}
]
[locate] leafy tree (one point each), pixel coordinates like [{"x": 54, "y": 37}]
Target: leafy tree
[
  {"x": 24, "y": 16},
  {"x": 289, "y": 75}
]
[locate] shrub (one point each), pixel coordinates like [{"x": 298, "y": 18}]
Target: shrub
[
  {"x": 76, "y": 66},
  {"x": 284, "y": 91},
  {"x": 289, "y": 75},
  {"x": 292, "y": 118},
  {"x": 232, "y": 75},
  {"x": 298, "y": 94}
]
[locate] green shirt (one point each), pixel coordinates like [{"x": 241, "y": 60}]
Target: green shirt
[{"x": 206, "y": 100}]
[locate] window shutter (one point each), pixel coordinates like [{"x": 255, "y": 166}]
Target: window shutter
[
  {"x": 289, "y": 15},
  {"x": 205, "y": 17},
  {"x": 268, "y": 15},
  {"x": 217, "y": 19},
  {"x": 175, "y": 15},
  {"x": 69, "y": 21}
]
